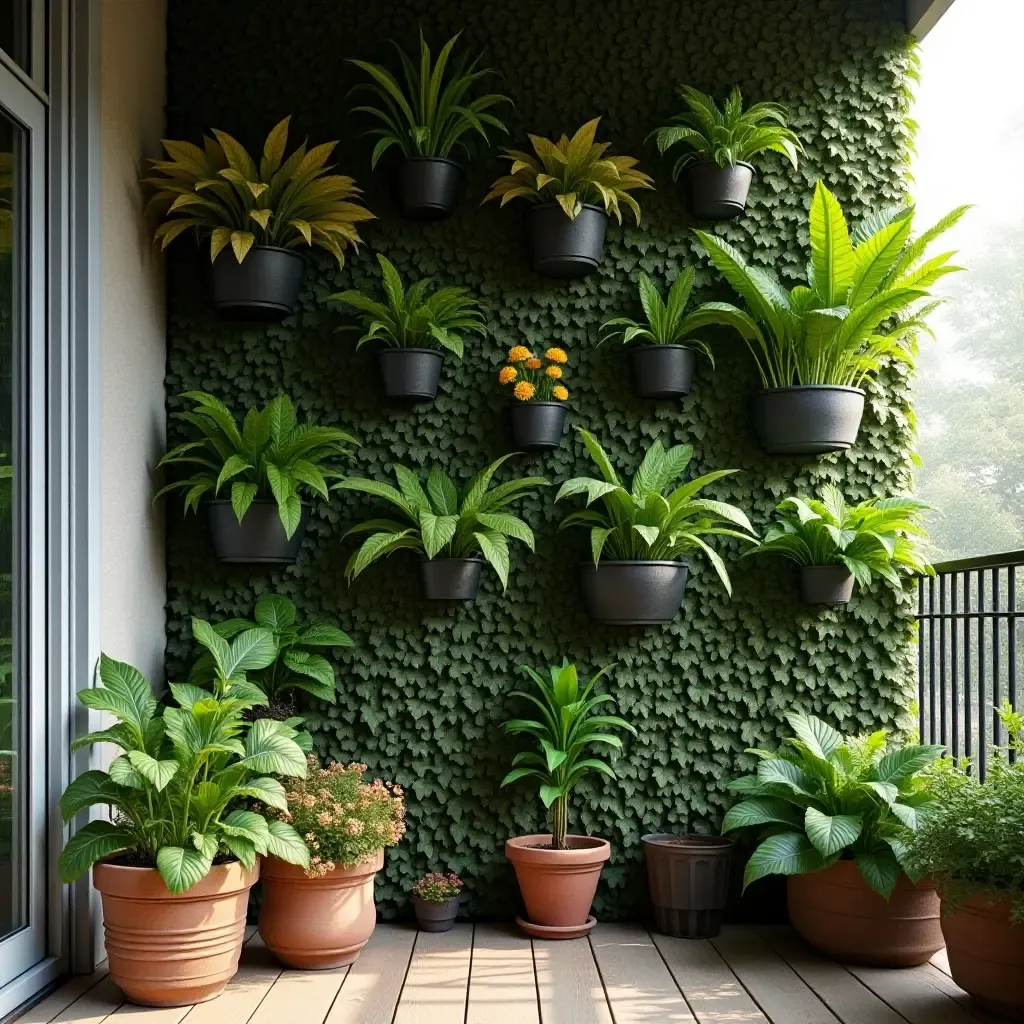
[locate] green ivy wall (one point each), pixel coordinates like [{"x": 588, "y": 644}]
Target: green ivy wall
[{"x": 424, "y": 690}]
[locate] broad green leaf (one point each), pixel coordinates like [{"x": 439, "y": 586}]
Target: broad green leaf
[
  {"x": 831, "y": 833},
  {"x": 181, "y": 868},
  {"x": 880, "y": 869},
  {"x": 789, "y": 853},
  {"x": 158, "y": 773},
  {"x": 785, "y": 773},
  {"x": 906, "y": 761},
  {"x": 124, "y": 773},
  {"x": 762, "y": 810},
  {"x": 269, "y": 749},
  {"x": 90, "y": 788},
  {"x": 248, "y": 825},
  {"x": 274, "y": 612},
  {"x": 265, "y": 789},
  {"x": 92, "y": 842},
  {"x": 818, "y": 736},
  {"x": 286, "y": 843}
]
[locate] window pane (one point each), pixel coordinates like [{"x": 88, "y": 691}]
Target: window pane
[{"x": 15, "y": 31}]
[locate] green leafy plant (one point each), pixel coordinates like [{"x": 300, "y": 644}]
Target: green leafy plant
[
  {"x": 824, "y": 797},
  {"x": 728, "y": 135},
  {"x": 179, "y": 789},
  {"x": 564, "y": 728},
  {"x": 426, "y": 114},
  {"x": 859, "y": 307},
  {"x": 220, "y": 191},
  {"x": 648, "y": 522},
  {"x": 270, "y": 456},
  {"x": 442, "y": 520},
  {"x": 879, "y": 537},
  {"x": 572, "y": 172},
  {"x": 417, "y": 318}
]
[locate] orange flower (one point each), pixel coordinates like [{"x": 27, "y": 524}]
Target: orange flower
[
  {"x": 556, "y": 355},
  {"x": 518, "y": 353},
  {"x": 533, "y": 363},
  {"x": 554, "y": 372},
  {"x": 524, "y": 391},
  {"x": 559, "y": 393},
  {"x": 507, "y": 374}
]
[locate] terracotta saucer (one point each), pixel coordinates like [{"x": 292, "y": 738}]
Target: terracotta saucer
[{"x": 547, "y": 931}]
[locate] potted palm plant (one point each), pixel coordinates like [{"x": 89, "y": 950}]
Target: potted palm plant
[
  {"x": 574, "y": 187},
  {"x": 638, "y": 543},
  {"x": 256, "y": 215},
  {"x": 836, "y": 816},
  {"x": 428, "y": 116},
  {"x": 816, "y": 344},
  {"x": 416, "y": 327},
  {"x": 538, "y": 387},
  {"x": 836, "y": 544},
  {"x": 720, "y": 143},
  {"x": 449, "y": 528},
  {"x": 179, "y": 790},
  {"x": 267, "y": 463},
  {"x": 558, "y": 872}
]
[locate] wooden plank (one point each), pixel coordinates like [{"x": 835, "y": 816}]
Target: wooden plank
[
  {"x": 438, "y": 979},
  {"x": 59, "y": 1000},
  {"x": 150, "y": 1014},
  {"x": 941, "y": 961},
  {"x": 910, "y": 993},
  {"x": 640, "y": 988},
  {"x": 712, "y": 990},
  {"x": 502, "y": 984},
  {"x": 95, "y": 1006},
  {"x": 304, "y": 996},
  {"x": 944, "y": 983},
  {"x": 374, "y": 982},
  {"x": 256, "y": 975},
  {"x": 568, "y": 983}
]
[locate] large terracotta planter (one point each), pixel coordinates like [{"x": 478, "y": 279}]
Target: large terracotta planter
[
  {"x": 171, "y": 950},
  {"x": 986, "y": 955},
  {"x": 317, "y": 923},
  {"x": 838, "y": 912},
  {"x": 558, "y": 886}
]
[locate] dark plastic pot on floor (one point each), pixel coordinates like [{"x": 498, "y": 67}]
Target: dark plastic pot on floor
[
  {"x": 560, "y": 247},
  {"x": 451, "y": 579},
  {"x": 633, "y": 593},
  {"x": 259, "y": 538},
  {"x": 428, "y": 187},
  {"x": 689, "y": 881},
  {"x": 264, "y": 286},
  {"x": 537, "y": 426},
  {"x": 717, "y": 193},
  {"x": 662, "y": 371},
  {"x": 411, "y": 373},
  {"x": 809, "y": 419},
  {"x": 432, "y": 916},
  {"x": 826, "y": 584}
]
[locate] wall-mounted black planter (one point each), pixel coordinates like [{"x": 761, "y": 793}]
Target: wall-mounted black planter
[
  {"x": 451, "y": 579},
  {"x": 717, "y": 193},
  {"x": 537, "y": 426},
  {"x": 432, "y": 916},
  {"x": 826, "y": 584},
  {"x": 411, "y": 373},
  {"x": 264, "y": 286},
  {"x": 662, "y": 371},
  {"x": 428, "y": 187},
  {"x": 633, "y": 593},
  {"x": 560, "y": 247},
  {"x": 810, "y": 419},
  {"x": 259, "y": 538},
  {"x": 689, "y": 882}
]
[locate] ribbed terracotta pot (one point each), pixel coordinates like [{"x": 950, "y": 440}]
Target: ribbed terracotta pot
[
  {"x": 837, "y": 911},
  {"x": 171, "y": 950},
  {"x": 986, "y": 955},
  {"x": 317, "y": 923}
]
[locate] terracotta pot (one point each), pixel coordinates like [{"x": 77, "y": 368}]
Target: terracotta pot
[
  {"x": 837, "y": 911},
  {"x": 316, "y": 923},
  {"x": 172, "y": 950},
  {"x": 986, "y": 955}
]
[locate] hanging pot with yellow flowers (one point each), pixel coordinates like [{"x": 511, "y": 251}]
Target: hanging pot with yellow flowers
[{"x": 539, "y": 395}]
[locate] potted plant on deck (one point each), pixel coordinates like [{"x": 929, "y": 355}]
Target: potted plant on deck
[
  {"x": 558, "y": 872},
  {"x": 427, "y": 117},
  {"x": 574, "y": 187},
  {"x": 836, "y": 816},
  {"x": 539, "y": 393},
  {"x": 435, "y": 899},
  {"x": 256, "y": 216},
  {"x": 638, "y": 543}
]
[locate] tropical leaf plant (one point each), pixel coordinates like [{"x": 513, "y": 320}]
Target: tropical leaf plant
[
  {"x": 649, "y": 521},
  {"x": 572, "y": 172},
  {"x": 270, "y": 456},
  {"x": 443, "y": 521},
  {"x": 221, "y": 192},
  {"x": 564, "y": 725},
  {"x": 180, "y": 788},
  {"x": 861, "y": 304},
  {"x": 825, "y": 797}
]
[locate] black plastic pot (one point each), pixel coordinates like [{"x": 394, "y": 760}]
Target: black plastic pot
[
  {"x": 808, "y": 419},
  {"x": 688, "y": 877},
  {"x": 451, "y": 579},
  {"x": 428, "y": 187},
  {"x": 410, "y": 373},
  {"x": 264, "y": 286},
  {"x": 826, "y": 584},
  {"x": 633, "y": 593},
  {"x": 259, "y": 538},
  {"x": 435, "y": 917},
  {"x": 537, "y": 426},
  {"x": 717, "y": 193},
  {"x": 662, "y": 371},
  {"x": 560, "y": 247}
]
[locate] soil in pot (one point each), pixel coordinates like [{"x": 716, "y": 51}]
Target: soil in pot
[
  {"x": 689, "y": 882},
  {"x": 837, "y": 911},
  {"x": 809, "y": 419},
  {"x": 826, "y": 584},
  {"x": 451, "y": 579},
  {"x": 633, "y": 593},
  {"x": 410, "y": 373},
  {"x": 259, "y": 538},
  {"x": 560, "y": 247},
  {"x": 432, "y": 916},
  {"x": 264, "y": 286},
  {"x": 717, "y": 193},
  {"x": 537, "y": 426},
  {"x": 428, "y": 187},
  {"x": 662, "y": 371}
]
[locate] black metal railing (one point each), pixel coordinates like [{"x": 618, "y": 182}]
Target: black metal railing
[{"x": 968, "y": 652}]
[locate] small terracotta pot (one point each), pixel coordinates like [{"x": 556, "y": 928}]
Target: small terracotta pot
[
  {"x": 317, "y": 923},
  {"x": 986, "y": 955},
  {"x": 837, "y": 911},
  {"x": 172, "y": 950}
]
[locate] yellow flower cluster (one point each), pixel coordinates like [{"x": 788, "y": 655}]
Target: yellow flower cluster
[{"x": 532, "y": 379}]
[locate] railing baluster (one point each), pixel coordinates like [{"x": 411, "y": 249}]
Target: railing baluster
[
  {"x": 968, "y": 695},
  {"x": 931, "y": 660},
  {"x": 922, "y": 624},
  {"x": 997, "y": 694},
  {"x": 954, "y": 664},
  {"x": 1011, "y": 629},
  {"x": 982, "y": 713}
]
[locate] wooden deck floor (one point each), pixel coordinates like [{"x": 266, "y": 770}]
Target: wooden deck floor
[{"x": 490, "y": 974}]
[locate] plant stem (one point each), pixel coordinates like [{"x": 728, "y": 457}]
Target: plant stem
[{"x": 559, "y": 823}]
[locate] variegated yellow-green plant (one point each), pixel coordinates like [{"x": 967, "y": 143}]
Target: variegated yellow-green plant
[
  {"x": 572, "y": 172},
  {"x": 219, "y": 190}
]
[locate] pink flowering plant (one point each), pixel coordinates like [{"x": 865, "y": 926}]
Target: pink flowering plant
[{"x": 437, "y": 887}]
